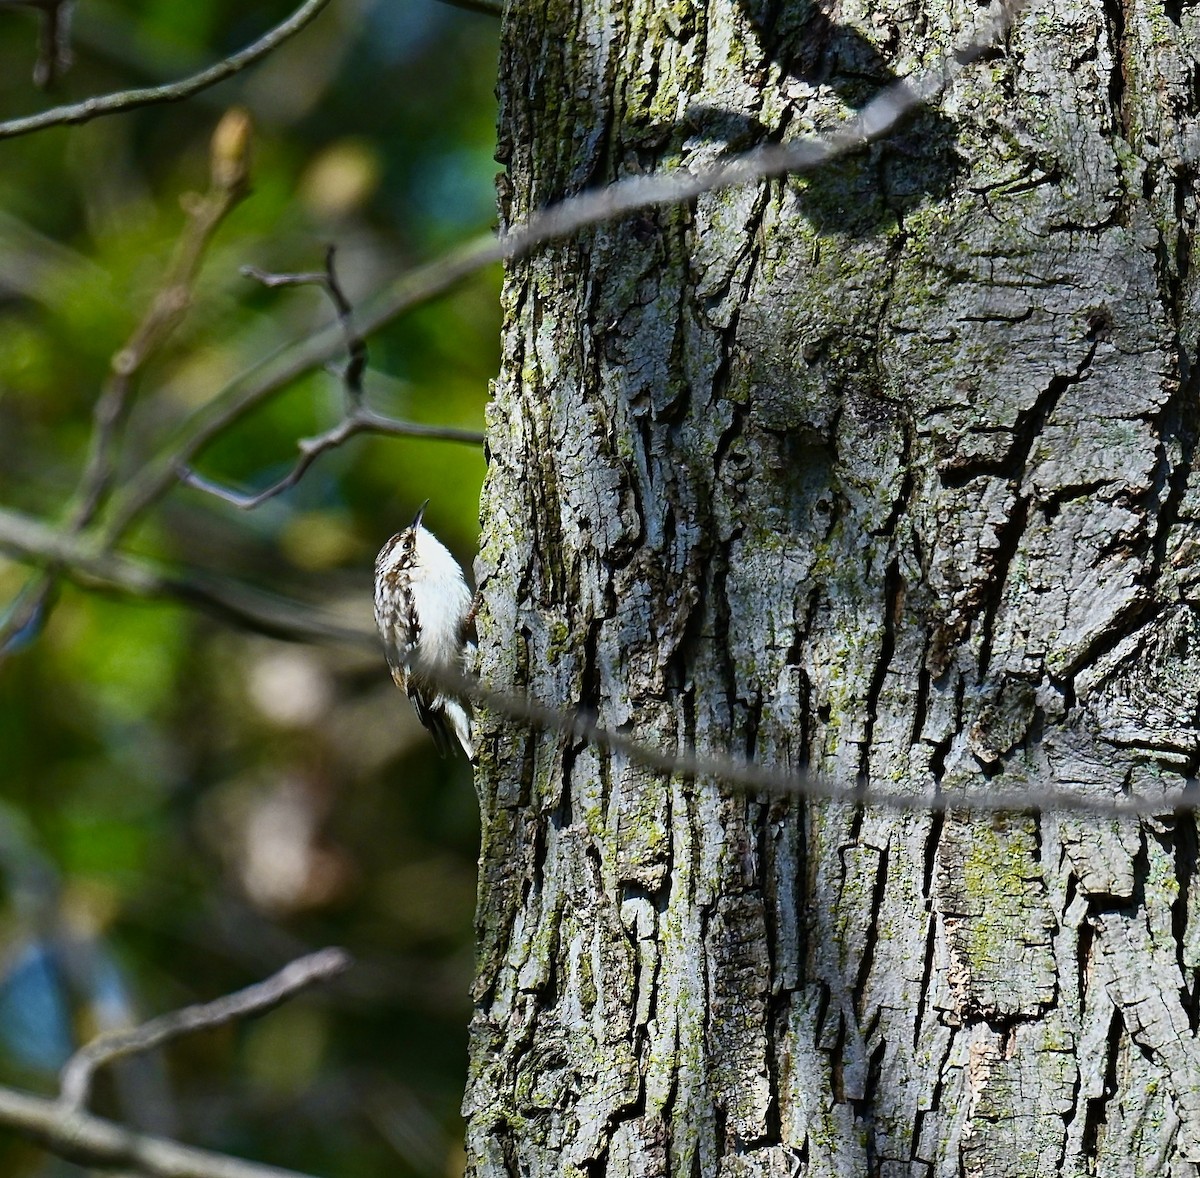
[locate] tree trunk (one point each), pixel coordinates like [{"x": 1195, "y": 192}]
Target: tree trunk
[{"x": 883, "y": 473}]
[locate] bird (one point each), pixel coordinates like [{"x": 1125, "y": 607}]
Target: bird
[{"x": 425, "y": 613}]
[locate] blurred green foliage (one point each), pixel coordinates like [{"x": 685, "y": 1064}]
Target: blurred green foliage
[{"x": 184, "y": 806}]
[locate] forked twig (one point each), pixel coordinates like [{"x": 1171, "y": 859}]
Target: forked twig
[
  {"x": 357, "y": 417},
  {"x": 65, "y": 1128},
  {"x": 91, "y": 108},
  {"x": 75, "y": 1080}
]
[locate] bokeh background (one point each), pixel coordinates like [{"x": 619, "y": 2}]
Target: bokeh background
[{"x": 186, "y": 806}]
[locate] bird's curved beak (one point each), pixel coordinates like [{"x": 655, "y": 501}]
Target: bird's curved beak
[{"x": 420, "y": 513}]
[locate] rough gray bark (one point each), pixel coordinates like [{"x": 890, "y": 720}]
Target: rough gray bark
[{"x": 886, "y": 472}]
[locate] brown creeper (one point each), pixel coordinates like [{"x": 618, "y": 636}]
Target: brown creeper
[{"x": 424, "y": 611}]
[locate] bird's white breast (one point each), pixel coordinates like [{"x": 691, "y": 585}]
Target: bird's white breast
[{"x": 442, "y": 599}]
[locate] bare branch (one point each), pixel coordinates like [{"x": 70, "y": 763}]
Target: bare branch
[
  {"x": 76, "y": 1077},
  {"x": 304, "y": 278},
  {"x": 91, "y": 108},
  {"x": 875, "y": 120},
  {"x": 357, "y": 419},
  {"x": 376, "y": 423},
  {"x": 229, "y": 186},
  {"x": 747, "y": 775},
  {"x": 487, "y": 7},
  {"x": 75, "y": 558},
  {"x": 92, "y": 1141},
  {"x": 327, "y": 279},
  {"x": 878, "y": 118}
]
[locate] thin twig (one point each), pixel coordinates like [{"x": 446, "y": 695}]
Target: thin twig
[
  {"x": 377, "y": 423},
  {"x": 418, "y": 286},
  {"x": 77, "y": 559},
  {"x": 91, "y": 108},
  {"x": 229, "y": 184},
  {"x": 357, "y": 417},
  {"x": 487, "y": 7},
  {"x": 92, "y": 1141},
  {"x": 75, "y": 1080},
  {"x": 358, "y": 421},
  {"x": 327, "y": 280},
  {"x": 748, "y": 775}
]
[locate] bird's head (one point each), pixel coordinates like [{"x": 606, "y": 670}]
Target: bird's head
[{"x": 404, "y": 549}]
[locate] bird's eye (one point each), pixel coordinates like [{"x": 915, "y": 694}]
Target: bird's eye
[{"x": 408, "y": 542}]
